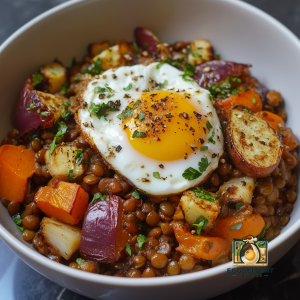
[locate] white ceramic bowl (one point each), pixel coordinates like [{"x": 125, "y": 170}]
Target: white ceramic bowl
[{"x": 237, "y": 30}]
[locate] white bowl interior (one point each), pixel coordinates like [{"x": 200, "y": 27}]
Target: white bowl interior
[{"x": 238, "y": 31}]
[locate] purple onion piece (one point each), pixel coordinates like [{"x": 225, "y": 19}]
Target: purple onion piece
[
  {"x": 146, "y": 39},
  {"x": 262, "y": 90}
]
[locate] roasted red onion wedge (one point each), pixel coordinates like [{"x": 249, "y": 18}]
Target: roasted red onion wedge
[{"x": 146, "y": 40}]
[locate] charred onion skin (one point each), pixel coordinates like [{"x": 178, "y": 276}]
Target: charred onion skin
[
  {"x": 25, "y": 120},
  {"x": 254, "y": 164},
  {"x": 100, "y": 230}
]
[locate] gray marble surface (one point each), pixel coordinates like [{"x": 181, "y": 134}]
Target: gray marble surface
[{"x": 20, "y": 282}]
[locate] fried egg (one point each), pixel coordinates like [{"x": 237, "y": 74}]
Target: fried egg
[{"x": 158, "y": 126}]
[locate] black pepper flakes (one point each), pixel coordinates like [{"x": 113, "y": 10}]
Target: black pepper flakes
[
  {"x": 214, "y": 155},
  {"x": 243, "y": 183},
  {"x": 243, "y": 135},
  {"x": 262, "y": 142},
  {"x": 198, "y": 116},
  {"x": 161, "y": 166},
  {"x": 169, "y": 115},
  {"x": 127, "y": 96},
  {"x": 114, "y": 76},
  {"x": 118, "y": 148},
  {"x": 145, "y": 180}
]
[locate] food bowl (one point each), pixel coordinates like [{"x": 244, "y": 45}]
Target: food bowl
[{"x": 237, "y": 30}]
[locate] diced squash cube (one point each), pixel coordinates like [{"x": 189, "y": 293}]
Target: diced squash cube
[
  {"x": 62, "y": 161},
  {"x": 16, "y": 166},
  {"x": 178, "y": 215},
  {"x": 201, "y": 51},
  {"x": 55, "y": 75},
  {"x": 238, "y": 190},
  {"x": 65, "y": 238},
  {"x": 65, "y": 201},
  {"x": 194, "y": 207}
]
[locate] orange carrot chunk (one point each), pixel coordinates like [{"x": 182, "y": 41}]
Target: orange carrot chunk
[
  {"x": 67, "y": 202},
  {"x": 16, "y": 166},
  {"x": 249, "y": 100},
  {"x": 274, "y": 120},
  {"x": 238, "y": 227},
  {"x": 289, "y": 139},
  {"x": 199, "y": 246}
]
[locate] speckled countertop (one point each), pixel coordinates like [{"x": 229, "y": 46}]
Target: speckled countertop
[{"x": 20, "y": 282}]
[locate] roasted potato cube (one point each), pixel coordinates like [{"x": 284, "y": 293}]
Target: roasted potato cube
[
  {"x": 200, "y": 52},
  {"x": 65, "y": 238},
  {"x": 97, "y": 48},
  {"x": 194, "y": 207},
  {"x": 238, "y": 190},
  {"x": 254, "y": 147},
  {"x": 55, "y": 76},
  {"x": 62, "y": 161}
]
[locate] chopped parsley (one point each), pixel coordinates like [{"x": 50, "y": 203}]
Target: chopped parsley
[
  {"x": 94, "y": 68},
  {"x": 128, "y": 249},
  {"x": 100, "y": 110},
  {"x": 191, "y": 173},
  {"x": 203, "y": 148},
  {"x": 203, "y": 194},
  {"x": 200, "y": 223},
  {"x": 110, "y": 95},
  {"x": 139, "y": 223},
  {"x": 43, "y": 114},
  {"x": 33, "y": 135},
  {"x": 163, "y": 84},
  {"x": 77, "y": 79},
  {"x": 106, "y": 88},
  {"x": 223, "y": 126},
  {"x": 238, "y": 205},
  {"x": 194, "y": 54},
  {"x": 31, "y": 106},
  {"x": 141, "y": 239},
  {"x": 189, "y": 70},
  {"x": 139, "y": 134},
  {"x": 66, "y": 114},
  {"x": 98, "y": 196},
  {"x": 129, "y": 111},
  {"x": 129, "y": 87},
  {"x": 237, "y": 226},
  {"x": 262, "y": 233},
  {"x": 141, "y": 115},
  {"x": 70, "y": 177},
  {"x": 79, "y": 156},
  {"x": 62, "y": 130},
  {"x": 36, "y": 79},
  {"x": 208, "y": 126},
  {"x": 211, "y": 138},
  {"x": 136, "y": 194},
  {"x": 63, "y": 89},
  {"x": 18, "y": 221},
  {"x": 136, "y": 47},
  {"x": 156, "y": 175},
  {"x": 253, "y": 100},
  {"x": 80, "y": 261}
]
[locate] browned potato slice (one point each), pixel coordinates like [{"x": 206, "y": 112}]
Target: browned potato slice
[
  {"x": 65, "y": 238},
  {"x": 55, "y": 76},
  {"x": 201, "y": 51},
  {"x": 97, "y": 48},
  {"x": 194, "y": 207},
  {"x": 254, "y": 147}
]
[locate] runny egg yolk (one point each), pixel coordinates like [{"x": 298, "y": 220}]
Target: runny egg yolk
[{"x": 165, "y": 126}]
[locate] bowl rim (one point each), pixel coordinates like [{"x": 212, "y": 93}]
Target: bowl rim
[{"x": 30, "y": 253}]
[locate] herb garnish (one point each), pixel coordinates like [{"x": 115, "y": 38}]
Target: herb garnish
[
  {"x": 191, "y": 173},
  {"x": 18, "y": 221},
  {"x": 66, "y": 114},
  {"x": 194, "y": 54},
  {"x": 156, "y": 175},
  {"x": 163, "y": 84},
  {"x": 139, "y": 134},
  {"x": 210, "y": 139},
  {"x": 31, "y": 106},
  {"x": 200, "y": 223},
  {"x": 136, "y": 194},
  {"x": 189, "y": 70},
  {"x": 203, "y": 164},
  {"x": 77, "y": 79},
  {"x": 79, "y": 156},
  {"x": 98, "y": 196},
  {"x": 33, "y": 135},
  {"x": 253, "y": 100},
  {"x": 80, "y": 261},
  {"x": 128, "y": 249},
  {"x": 106, "y": 88},
  {"x": 237, "y": 226},
  {"x": 129, "y": 87},
  {"x": 94, "y": 68},
  {"x": 203, "y": 148},
  {"x": 62, "y": 130},
  {"x": 100, "y": 110},
  {"x": 238, "y": 205},
  {"x": 141, "y": 115},
  {"x": 129, "y": 111},
  {"x": 203, "y": 194},
  {"x": 141, "y": 239},
  {"x": 136, "y": 47},
  {"x": 139, "y": 223},
  {"x": 36, "y": 79},
  {"x": 70, "y": 177},
  {"x": 208, "y": 126},
  {"x": 170, "y": 61}
]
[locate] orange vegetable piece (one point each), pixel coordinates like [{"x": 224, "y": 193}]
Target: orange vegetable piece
[
  {"x": 275, "y": 121},
  {"x": 199, "y": 246},
  {"x": 67, "y": 202},
  {"x": 252, "y": 224},
  {"x": 250, "y": 100},
  {"x": 289, "y": 139},
  {"x": 16, "y": 166}
]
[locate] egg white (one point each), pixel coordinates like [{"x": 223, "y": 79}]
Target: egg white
[{"x": 131, "y": 164}]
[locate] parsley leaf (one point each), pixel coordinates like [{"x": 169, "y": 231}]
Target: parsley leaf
[
  {"x": 128, "y": 249},
  {"x": 62, "y": 129},
  {"x": 262, "y": 233},
  {"x": 129, "y": 87},
  {"x": 77, "y": 79},
  {"x": 163, "y": 84},
  {"x": 170, "y": 61},
  {"x": 141, "y": 239},
  {"x": 129, "y": 111},
  {"x": 18, "y": 221},
  {"x": 136, "y": 194},
  {"x": 139, "y": 134},
  {"x": 44, "y": 114},
  {"x": 100, "y": 110},
  {"x": 139, "y": 223},
  {"x": 98, "y": 196},
  {"x": 136, "y": 47},
  {"x": 36, "y": 79},
  {"x": 191, "y": 174},
  {"x": 203, "y": 194},
  {"x": 237, "y": 226},
  {"x": 210, "y": 139},
  {"x": 31, "y": 106},
  {"x": 70, "y": 177},
  {"x": 238, "y": 205},
  {"x": 203, "y": 164},
  {"x": 141, "y": 115},
  {"x": 208, "y": 126},
  {"x": 253, "y": 100},
  {"x": 33, "y": 135},
  {"x": 189, "y": 70},
  {"x": 94, "y": 68},
  {"x": 80, "y": 261},
  {"x": 156, "y": 175},
  {"x": 110, "y": 95},
  {"x": 63, "y": 89},
  {"x": 106, "y": 88},
  {"x": 79, "y": 156},
  {"x": 203, "y": 148},
  {"x": 194, "y": 54},
  {"x": 200, "y": 223}
]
